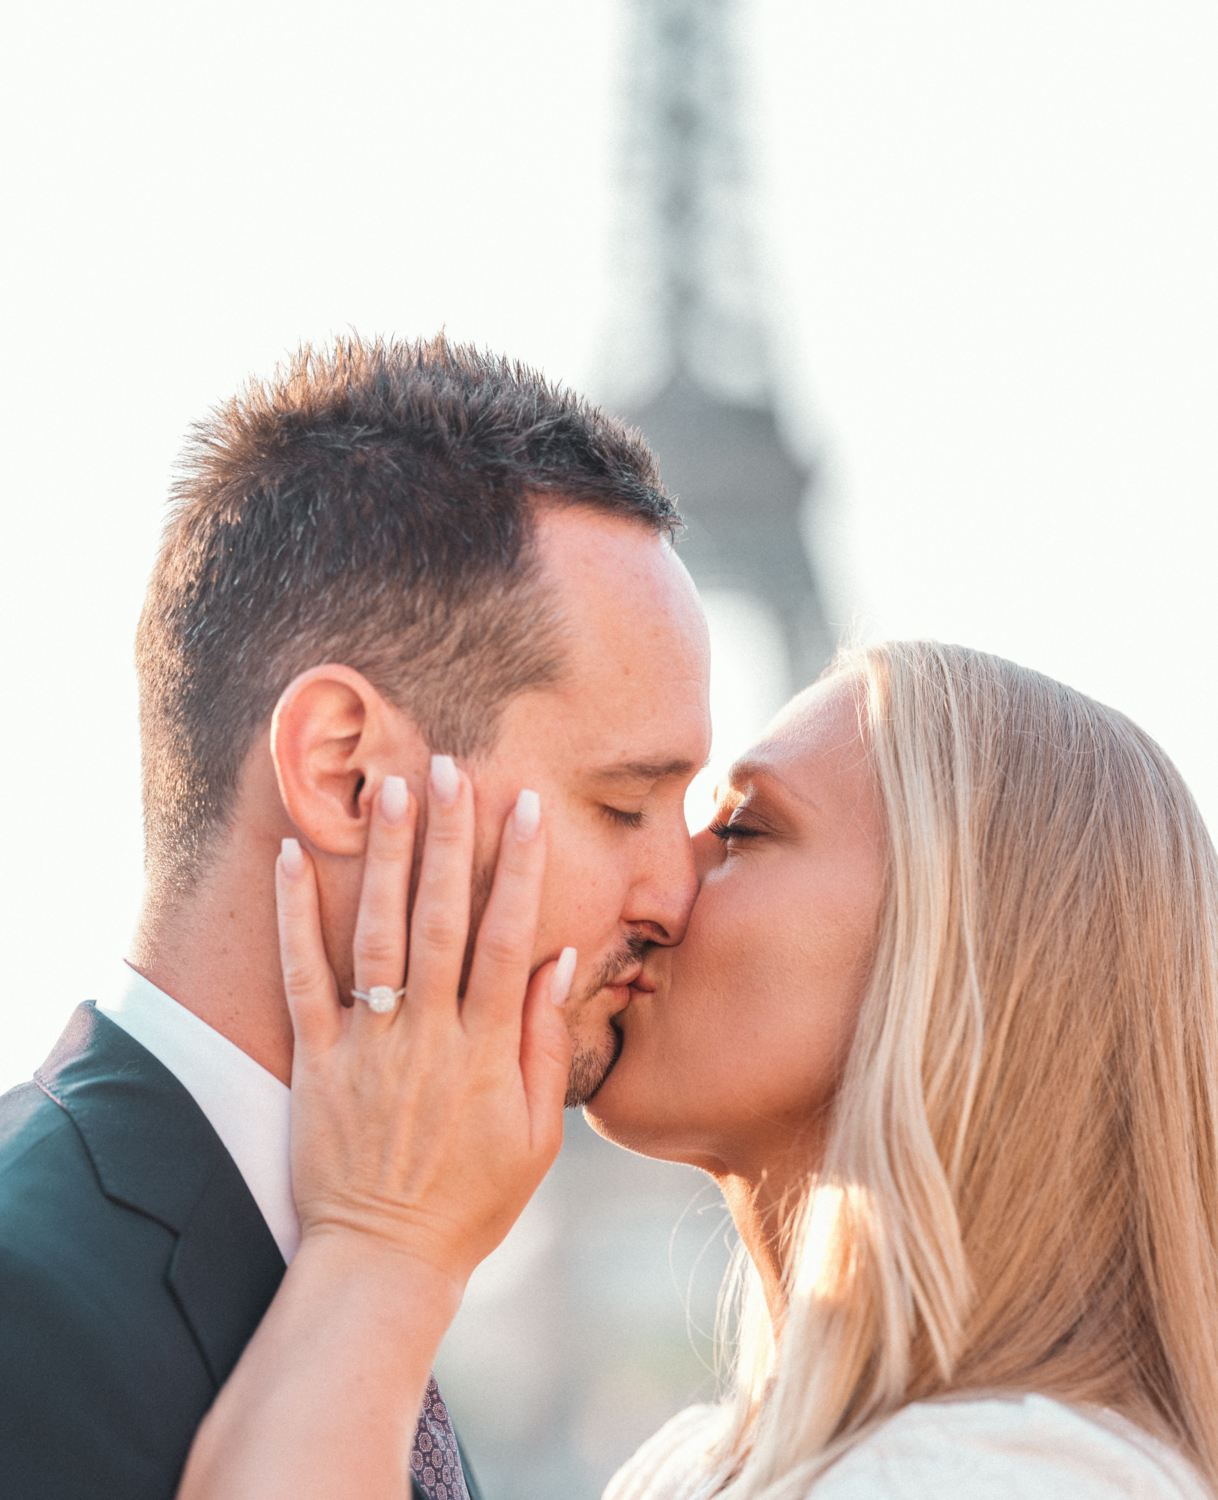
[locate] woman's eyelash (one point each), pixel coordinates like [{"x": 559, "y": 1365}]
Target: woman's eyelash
[
  {"x": 723, "y": 830},
  {"x": 626, "y": 819}
]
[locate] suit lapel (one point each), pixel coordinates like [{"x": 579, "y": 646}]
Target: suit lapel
[
  {"x": 155, "y": 1152},
  {"x": 224, "y": 1271}
]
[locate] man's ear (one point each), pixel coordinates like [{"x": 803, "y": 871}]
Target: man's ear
[{"x": 334, "y": 739}]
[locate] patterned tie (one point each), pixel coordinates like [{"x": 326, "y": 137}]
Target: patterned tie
[{"x": 435, "y": 1463}]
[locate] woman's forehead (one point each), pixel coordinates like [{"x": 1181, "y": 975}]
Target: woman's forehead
[
  {"x": 813, "y": 746},
  {"x": 822, "y": 718}
]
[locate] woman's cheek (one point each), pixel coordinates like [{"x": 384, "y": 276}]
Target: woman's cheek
[{"x": 717, "y": 937}]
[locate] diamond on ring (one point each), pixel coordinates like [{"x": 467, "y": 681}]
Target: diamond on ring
[{"x": 380, "y": 999}]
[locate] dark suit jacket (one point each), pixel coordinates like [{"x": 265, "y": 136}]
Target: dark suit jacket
[{"x": 134, "y": 1266}]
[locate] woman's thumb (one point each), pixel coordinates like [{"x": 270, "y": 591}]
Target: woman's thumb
[{"x": 545, "y": 1050}]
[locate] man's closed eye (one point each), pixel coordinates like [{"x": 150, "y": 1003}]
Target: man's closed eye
[{"x": 623, "y": 819}]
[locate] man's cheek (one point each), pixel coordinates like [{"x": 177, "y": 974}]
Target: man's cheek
[{"x": 569, "y": 916}]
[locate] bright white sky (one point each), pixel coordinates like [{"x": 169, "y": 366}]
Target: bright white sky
[{"x": 990, "y": 231}]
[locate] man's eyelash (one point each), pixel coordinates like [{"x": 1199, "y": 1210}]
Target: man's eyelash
[
  {"x": 626, "y": 819},
  {"x": 723, "y": 830}
]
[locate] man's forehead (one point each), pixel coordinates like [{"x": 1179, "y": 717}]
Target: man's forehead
[
  {"x": 608, "y": 569},
  {"x": 630, "y": 703}
]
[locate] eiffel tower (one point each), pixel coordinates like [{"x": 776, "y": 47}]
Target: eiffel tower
[
  {"x": 688, "y": 347},
  {"x": 605, "y": 1333}
]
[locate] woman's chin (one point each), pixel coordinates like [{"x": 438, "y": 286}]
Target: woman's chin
[
  {"x": 633, "y": 1115},
  {"x": 618, "y": 1112}
]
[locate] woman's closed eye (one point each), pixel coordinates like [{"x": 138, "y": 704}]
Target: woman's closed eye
[{"x": 734, "y": 830}]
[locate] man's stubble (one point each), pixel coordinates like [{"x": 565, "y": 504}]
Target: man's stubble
[
  {"x": 591, "y": 1065},
  {"x": 591, "y": 1062}
]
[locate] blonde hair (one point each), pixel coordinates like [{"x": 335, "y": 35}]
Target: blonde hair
[{"x": 1020, "y": 1190}]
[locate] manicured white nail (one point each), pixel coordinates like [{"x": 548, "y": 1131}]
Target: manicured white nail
[
  {"x": 395, "y": 799},
  {"x": 445, "y": 784},
  {"x": 291, "y": 859},
  {"x": 528, "y": 816},
  {"x": 564, "y": 973}
]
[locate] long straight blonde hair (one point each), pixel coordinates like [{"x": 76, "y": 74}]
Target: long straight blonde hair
[{"x": 1020, "y": 1190}]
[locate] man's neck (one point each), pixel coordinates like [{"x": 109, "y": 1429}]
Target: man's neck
[{"x": 216, "y": 952}]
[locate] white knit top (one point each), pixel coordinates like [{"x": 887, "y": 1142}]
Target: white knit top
[{"x": 1022, "y": 1448}]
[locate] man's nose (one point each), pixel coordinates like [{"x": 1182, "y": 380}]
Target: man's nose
[{"x": 665, "y": 885}]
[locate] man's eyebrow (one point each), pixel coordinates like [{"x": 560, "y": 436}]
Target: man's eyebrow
[{"x": 645, "y": 770}]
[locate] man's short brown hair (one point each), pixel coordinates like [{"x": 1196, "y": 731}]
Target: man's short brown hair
[{"x": 371, "y": 504}]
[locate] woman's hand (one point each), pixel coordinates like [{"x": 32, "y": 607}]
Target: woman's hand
[
  {"x": 418, "y": 1135},
  {"x": 427, "y": 1128}
]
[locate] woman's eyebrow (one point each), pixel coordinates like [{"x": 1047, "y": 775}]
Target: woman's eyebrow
[
  {"x": 744, "y": 771},
  {"x": 762, "y": 771}
]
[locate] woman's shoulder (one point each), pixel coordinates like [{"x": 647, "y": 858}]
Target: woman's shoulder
[
  {"x": 1017, "y": 1448},
  {"x": 670, "y": 1465}
]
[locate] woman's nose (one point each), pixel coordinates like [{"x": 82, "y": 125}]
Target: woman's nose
[{"x": 707, "y": 852}]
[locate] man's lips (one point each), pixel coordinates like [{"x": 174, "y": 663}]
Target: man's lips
[{"x": 623, "y": 987}]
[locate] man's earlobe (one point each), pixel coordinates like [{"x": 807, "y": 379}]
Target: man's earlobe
[{"x": 329, "y": 737}]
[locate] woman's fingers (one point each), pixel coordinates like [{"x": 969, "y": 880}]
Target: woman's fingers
[
  {"x": 439, "y": 925},
  {"x": 380, "y": 928},
  {"x": 503, "y": 952},
  {"x": 436, "y": 1134},
  {"x": 307, "y": 980}
]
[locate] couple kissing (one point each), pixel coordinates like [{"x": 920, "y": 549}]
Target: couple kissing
[{"x": 423, "y": 683}]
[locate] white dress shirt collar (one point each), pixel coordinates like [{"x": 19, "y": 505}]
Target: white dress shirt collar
[{"x": 249, "y": 1109}]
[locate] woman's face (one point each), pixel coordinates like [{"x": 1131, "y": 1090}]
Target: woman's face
[{"x": 733, "y": 1043}]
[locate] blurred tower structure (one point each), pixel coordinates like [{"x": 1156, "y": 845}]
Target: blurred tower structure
[
  {"x": 688, "y": 358},
  {"x": 592, "y": 1324}
]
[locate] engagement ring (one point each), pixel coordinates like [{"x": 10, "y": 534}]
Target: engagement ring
[{"x": 380, "y": 999}]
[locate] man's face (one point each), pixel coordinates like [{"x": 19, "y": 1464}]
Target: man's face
[{"x": 611, "y": 749}]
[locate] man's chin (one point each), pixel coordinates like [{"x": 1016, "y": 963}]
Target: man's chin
[{"x": 589, "y": 1069}]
